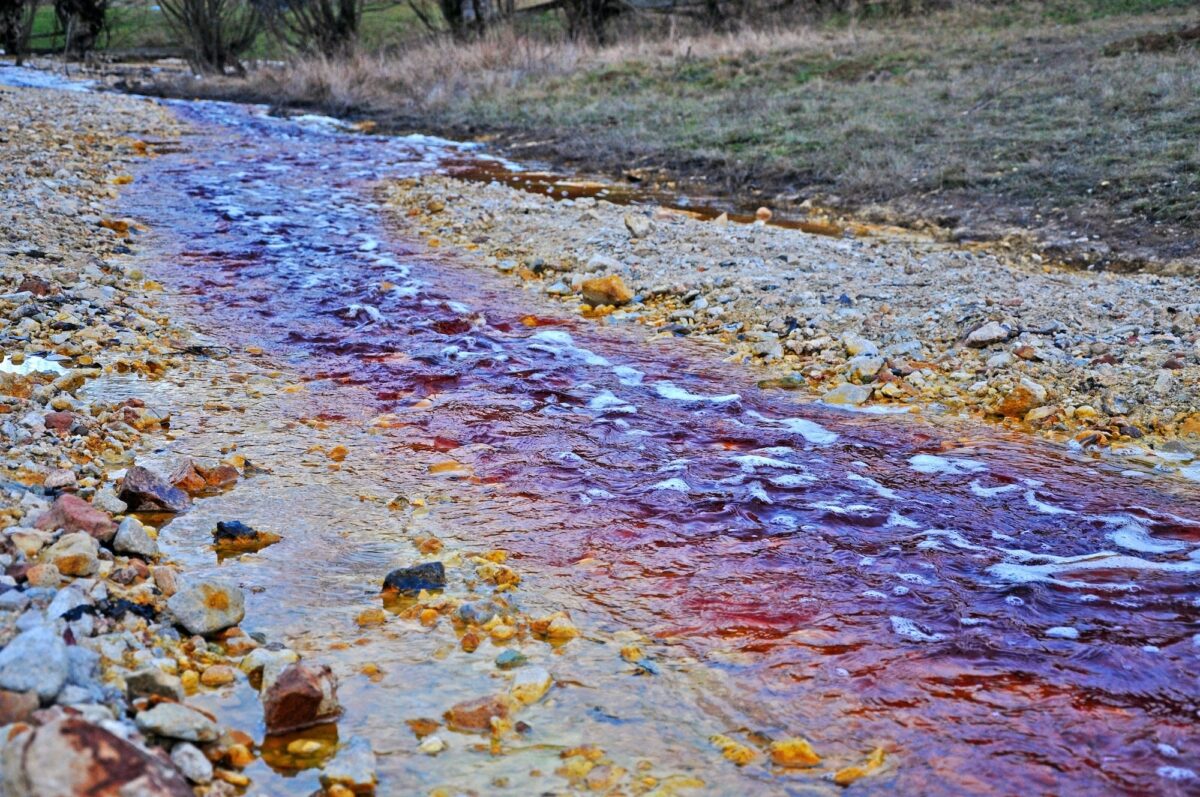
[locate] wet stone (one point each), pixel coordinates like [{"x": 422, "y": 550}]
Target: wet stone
[
  {"x": 353, "y": 767},
  {"x": 188, "y": 759},
  {"x": 428, "y": 575},
  {"x": 234, "y": 535},
  {"x": 146, "y": 491},
  {"x": 510, "y": 659},
  {"x": 301, "y": 697}
]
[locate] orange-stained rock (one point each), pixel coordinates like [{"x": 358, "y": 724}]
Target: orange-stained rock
[
  {"x": 71, "y": 756},
  {"x": 475, "y": 716},
  {"x": 606, "y": 290}
]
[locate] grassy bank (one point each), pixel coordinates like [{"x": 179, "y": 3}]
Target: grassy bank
[{"x": 1071, "y": 119}]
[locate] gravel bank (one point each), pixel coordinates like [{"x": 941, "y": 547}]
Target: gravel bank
[
  {"x": 105, "y": 646},
  {"x": 879, "y": 323}
]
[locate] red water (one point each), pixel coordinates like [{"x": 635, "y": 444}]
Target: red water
[{"x": 852, "y": 592}]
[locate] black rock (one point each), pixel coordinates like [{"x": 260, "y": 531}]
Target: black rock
[
  {"x": 234, "y": 530},
  {"x": 430, "y": 575}
]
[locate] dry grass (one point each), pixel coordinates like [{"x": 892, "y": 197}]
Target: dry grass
[{"x": 980, "y": 117}]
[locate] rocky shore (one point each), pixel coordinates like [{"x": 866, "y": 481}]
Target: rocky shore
[
  {"x": 867, "y": 321},
  {"x": 103, "y": 641}
]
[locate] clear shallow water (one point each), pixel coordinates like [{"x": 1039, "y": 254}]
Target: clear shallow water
[{"x": 1002, "y": 617}]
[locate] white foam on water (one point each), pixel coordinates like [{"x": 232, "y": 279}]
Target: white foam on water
[
  {"x": 32, "y": 365},
  {"x": 1051, "y": 567},
  {"x": 678, "y": 485},
  {"x": 838, "y": 509},
  {"x": 628, "y": 376},
  {"x": 1062, "y": 632},
  {"x": 880, "y": 490},
  {"x": 911, "y": 631},
  {"x": 1176, "y": 773},
  {"x": 988, "y": 492},
  {"x": 932, "y": 464},
  {"x": 605, "y": 401},
  {"x": 560, "y": 342},
  {"x": 750, "y": 462},
  {"x": 758, "y": 492},
  {"x": 951, "y": 536},
  {"x": 1041, "y": 506},
  {"x": 791, "y": 480},
  {"x": 1134, "y": 536},
  {"x": 896, "y": 519},
  {"x": 810, "y": 430},
  {"x": 668, "y": 390}
]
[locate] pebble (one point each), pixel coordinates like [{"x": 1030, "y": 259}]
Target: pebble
[
  {"x": 192, "y": 763},
  {"x": 530, "y": 685},
  {"x": 177, "y": 721}
]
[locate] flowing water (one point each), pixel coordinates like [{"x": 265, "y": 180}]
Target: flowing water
[{"x": 1000, "y": 615}]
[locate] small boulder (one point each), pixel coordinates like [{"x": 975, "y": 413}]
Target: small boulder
[
  {"x": 72, "y": 756},
  {"x": 988, "y": 334},
  {"x": 608, "y": 290},
  {"x": 71, "y": 513},
  {"x": 145, "y": 491},
  {"x": 36, "y": 661},
  {"x": 132, "y": 539},
  {"x": 208, "y": 607},
  {"x": 428, "y": 575},
  {"x": 847, "y": 394},
  {"x": 353, "y": 767},
  {"x": 1025, "y": 396},
  {"x": 177, "y": 721},
  {"x": 59, "y": 421},
  {"x": 74, "y": 554},
  {"x": 301, "y": 697}
]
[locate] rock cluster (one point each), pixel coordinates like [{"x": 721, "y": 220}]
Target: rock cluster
[{"x": 910, "y": 323}]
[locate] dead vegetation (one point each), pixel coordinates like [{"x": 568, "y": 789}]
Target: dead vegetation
[{"x": 981, "y": 119}]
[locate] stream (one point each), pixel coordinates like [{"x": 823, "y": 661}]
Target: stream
[{"x": 1002, "y": 616}]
